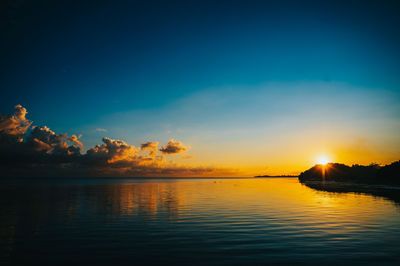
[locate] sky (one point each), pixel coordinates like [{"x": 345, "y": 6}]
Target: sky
[{"x": 241, "y": 87}]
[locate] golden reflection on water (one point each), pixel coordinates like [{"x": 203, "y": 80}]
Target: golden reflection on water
[
  {"x": 278, "y": 196},
  {"x": 279, "y": 206},
  {"x": 146, "y": 198}
]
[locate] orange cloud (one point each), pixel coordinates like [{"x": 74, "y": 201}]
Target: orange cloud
[
  {"x": 151, "y": 147},
  {"x": 16, "y": 124},
  {"x": 174, "y": 147}
]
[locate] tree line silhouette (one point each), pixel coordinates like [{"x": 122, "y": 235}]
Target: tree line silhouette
[{"x": 370, "y": 174}]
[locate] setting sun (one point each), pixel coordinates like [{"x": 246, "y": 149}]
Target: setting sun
[{"x": 323, "y": 160}]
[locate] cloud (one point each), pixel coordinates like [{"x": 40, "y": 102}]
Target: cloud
[
  {"x": 174, "y": 147},
  {"x": 112, "y": 151},
  {"x": 152, "y": 147},
  {"x": 101, "y": 130},
  {"x": 75, "y": 139},
  {"x": 44, "y": 139},
  {"x": 27, "y": 150},
  {"x": 16, "y": 124}
]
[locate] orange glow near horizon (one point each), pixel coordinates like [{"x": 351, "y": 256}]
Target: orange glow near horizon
[{"x": 291, "y": 152}]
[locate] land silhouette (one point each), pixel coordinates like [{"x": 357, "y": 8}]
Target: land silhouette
[{"x": 371, "y": 179}]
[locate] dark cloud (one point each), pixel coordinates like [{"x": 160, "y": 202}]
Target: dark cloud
[
  {"x": 26, "y": 147},
  {"x": 27, "y": 150},
  {"x": 43, "y": 139},
  {"x": 174, "y": 147}
]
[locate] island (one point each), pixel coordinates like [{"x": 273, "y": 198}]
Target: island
[{"x": 371, "y": 179}]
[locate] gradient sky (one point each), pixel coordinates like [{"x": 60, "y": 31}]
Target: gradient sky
[{"x": 260, "y": 86}]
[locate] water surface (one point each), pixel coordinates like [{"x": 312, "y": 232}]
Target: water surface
[{"x": 193, "y": 221}]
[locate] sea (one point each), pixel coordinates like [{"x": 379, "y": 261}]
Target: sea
[{"x": 192, "y": 221}]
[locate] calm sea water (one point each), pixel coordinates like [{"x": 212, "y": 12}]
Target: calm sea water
[{"x": 193, "y": 221}]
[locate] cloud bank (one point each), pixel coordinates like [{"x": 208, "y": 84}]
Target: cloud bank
[{"x": 30, "y": 150}]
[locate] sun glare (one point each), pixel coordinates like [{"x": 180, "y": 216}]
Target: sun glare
[{"x": 323, "y": 160}]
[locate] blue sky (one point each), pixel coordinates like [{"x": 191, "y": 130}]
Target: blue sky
[{"x": 129, "y": 67}]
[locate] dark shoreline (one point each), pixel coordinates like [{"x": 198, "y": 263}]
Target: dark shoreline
[
  {"x": 373, "y": 179},
  {"x": 390, "y": 192}
]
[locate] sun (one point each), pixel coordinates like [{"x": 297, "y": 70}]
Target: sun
[{"x": 323, "y": 160}]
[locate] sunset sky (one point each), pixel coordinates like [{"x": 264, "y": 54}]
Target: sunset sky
[{"x": 224, "y": 87}]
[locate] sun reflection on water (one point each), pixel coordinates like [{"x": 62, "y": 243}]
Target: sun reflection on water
[{"x": 262, "y": 212}]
